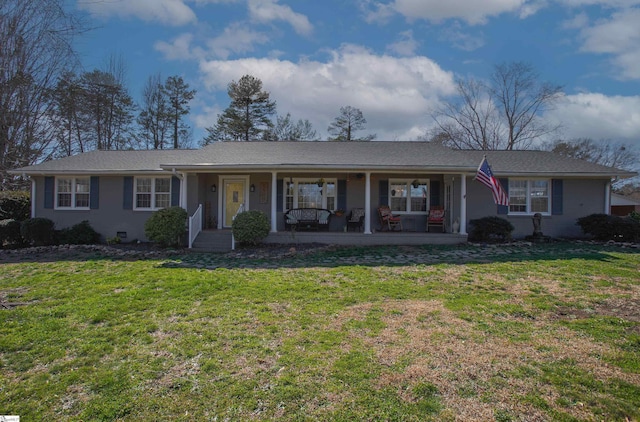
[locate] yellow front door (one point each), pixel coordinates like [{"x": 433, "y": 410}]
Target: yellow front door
[{"x": 233, "y": 199}]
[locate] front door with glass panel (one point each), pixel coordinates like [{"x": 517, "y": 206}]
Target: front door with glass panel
[{"x": 233, "y": 199}]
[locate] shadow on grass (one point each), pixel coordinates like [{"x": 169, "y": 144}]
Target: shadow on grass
[
  {"x": 396, "y": 256},
  {"x": 315, "y": 255}
]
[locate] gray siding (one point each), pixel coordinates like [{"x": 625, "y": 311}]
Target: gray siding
[
  {"x": 580, "y": 198},
  {"x": 109, "y": 219}
]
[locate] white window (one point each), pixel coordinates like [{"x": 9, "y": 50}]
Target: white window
[
  {"x": 408, "y": 196},
  {"x": 152, "y": 193},
  {"x": 73, "y": 192},
  {"x": 310, "y": 193},
  {"x": 529, "y": 196}
]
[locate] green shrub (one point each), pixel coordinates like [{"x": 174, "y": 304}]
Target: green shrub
[
  {"x": 79, "y": 234},
  {"x": 490, "y": 229},
  {"x": 167, "y": 226},
  {"x": 37, "y": 231},
  {"x": 250, "y": 227},
  {"x": 610, "y": 227},
  {"x": 15, "y": 205},
  {"x": 10, "y": 232},
  {"x": 635, "y": 215}
]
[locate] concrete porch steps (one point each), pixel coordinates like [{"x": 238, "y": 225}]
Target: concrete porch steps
[{"x": 220, "y": 240}]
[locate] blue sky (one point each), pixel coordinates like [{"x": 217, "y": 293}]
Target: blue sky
[{"x": 396, "y": 60}]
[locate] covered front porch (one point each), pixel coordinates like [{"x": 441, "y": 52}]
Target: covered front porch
[
  {"x": 221, "y": 240},
  {"x": 213, "y": 198}
]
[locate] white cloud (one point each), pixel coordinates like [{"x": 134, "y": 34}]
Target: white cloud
[
  {"x": 266, "y": 11},
  {"x": 619, "y": 36},
  {"x": 601, "y": 3},
  {"x": 169, "y": 12},
  {"x": 597, "y": 116},
  {"x": 406, "y": 46},
  {"x": 394, "y": 94},
  {"x": 178, "y": 49},
  {"x": 236, "y": 38},
  {"x": 460, "y": 39},
  {"x": 473, "y": 12}
]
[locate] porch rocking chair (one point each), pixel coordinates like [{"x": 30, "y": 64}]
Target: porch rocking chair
[
  {"x": 435, "y": 217},
  {"x": 388, "y": 221}
]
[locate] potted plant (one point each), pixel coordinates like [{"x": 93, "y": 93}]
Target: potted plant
[{"x": 320, "y": 182}]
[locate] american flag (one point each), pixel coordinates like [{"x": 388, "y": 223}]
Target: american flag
[{"x": 486, "y": 177}]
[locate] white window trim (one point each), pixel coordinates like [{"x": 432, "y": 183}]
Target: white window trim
[
  {"x": 73, "y": 192},
  {"x": 528, "y": 196},
  {"x": 307, "y": 180},
  {"x": 407, "y": 182},
  {"x": 153, "y": 192}
]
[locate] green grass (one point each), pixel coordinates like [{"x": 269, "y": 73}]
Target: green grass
[{"x": 550, "y": 332}]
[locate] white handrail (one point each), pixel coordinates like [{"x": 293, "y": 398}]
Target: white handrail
[
  {"x": 195, "y": 225},
  {"x": 233, "y": 240}
]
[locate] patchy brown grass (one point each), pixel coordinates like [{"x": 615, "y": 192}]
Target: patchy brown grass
[{"x": 423, "y": 341}]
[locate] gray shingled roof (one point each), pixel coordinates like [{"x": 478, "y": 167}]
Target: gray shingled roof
[{"x": 380, "y": 156}]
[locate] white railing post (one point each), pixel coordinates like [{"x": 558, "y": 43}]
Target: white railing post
[
  {"x": 233, "y": 239},
  {"x": 195, "y": 225}
]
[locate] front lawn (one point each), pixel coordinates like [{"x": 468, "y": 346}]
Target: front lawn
[{"x": 535, "y": 333}]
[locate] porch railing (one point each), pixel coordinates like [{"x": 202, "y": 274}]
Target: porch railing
[
  {"x": 195, "y": 225},
  {"x": 233, "y": 239}
]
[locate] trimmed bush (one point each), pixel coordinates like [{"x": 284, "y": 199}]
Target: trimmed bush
[
  {"x": 250, "y": 227},
  {"x": 610, "y": 227},
  {"x": 37, "y": 231},
  {"x": 490, "y": 229},
  {"x": 167, "y": 226},
  {"x": 15, "y": 205},
  {"x": 79, "y": 234},
  {"x": 10, "y": 232}
]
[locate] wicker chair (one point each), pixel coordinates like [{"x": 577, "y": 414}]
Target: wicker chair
[{"x": 355, "y": 219}]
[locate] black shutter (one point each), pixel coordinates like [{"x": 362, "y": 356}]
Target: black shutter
[
  {"x": 503, "y": 209},
  {"x": 94, "y": 199},
  {"x": 127, "y": 193},
  {"x": 279, "y": 195},
  {"x": 342, "y": 195},
  {"x": 434, "y": 194},
  {"x": 175, "y": 191},
  {"x": 49, "y": 188},
  {"x": 383, "y": 192},
  {"x": 556, "y": 196}
]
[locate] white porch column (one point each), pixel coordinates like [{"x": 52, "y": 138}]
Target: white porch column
[
  {"x": 367, "y": 203},
  {"x": 274, "y": 200},
  {"x": 607, "y": 198},
  {"x": 463, "y": 204},
  {"x": 183, "y": 191},
  {"x": 33, "y": 198}
]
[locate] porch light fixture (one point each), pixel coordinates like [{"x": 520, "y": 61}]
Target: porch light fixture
[
  {"x": 320, "y": 182},
  {"x": 415, "y": 183},
  {"x": 252, "y": 188},
  {"x": 214, "y": 188}
]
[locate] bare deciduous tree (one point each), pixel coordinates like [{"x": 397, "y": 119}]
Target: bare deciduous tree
[
  {"x": 178, "y": 96},
  {"x": 152, "y": 118},
  {"x": 505, "y": 113},
  {"x": 604, "y": 152},
  {"x": 35, "y": 40},
  {"x": 287, "y": 130}
]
